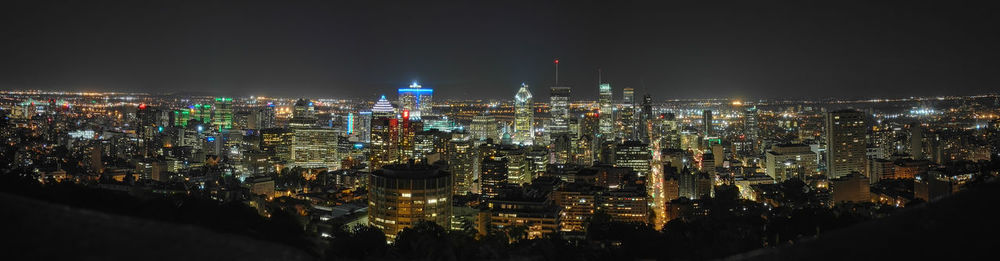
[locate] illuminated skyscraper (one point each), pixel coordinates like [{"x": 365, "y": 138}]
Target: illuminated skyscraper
[
  {"x": 845, "y": 143},
  {"x": 494, "y": 176},
  {"x": 303, "y": 114},
  {"x": 606, "y": 111},
  {"x": 627, "y": 125},
  {"x": 646, "y": 120},
  {"x": 751, "y": 130},
  {"x": 384, "y": 135},
  {"x": 402, "y": 195},
  {"x": 524, "y": 116},
  {"x": 461, "y": 160},
  {"x": 222, "y": 117},
  {"x": 417, "y": 100},
  {"x": 559, "y": 109},
  {"x": 634, "y": 155},
  {"x": 706, "y": 122},
  {"x": 314, "y": 147},
  {"x": 484, "y": 126},
  {"x": 787, "y": 161}
]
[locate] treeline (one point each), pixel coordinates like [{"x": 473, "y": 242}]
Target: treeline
[{"x": 231, "y": 217}]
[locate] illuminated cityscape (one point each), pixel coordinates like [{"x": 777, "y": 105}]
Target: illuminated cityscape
[{"x": 733, "y": 151}]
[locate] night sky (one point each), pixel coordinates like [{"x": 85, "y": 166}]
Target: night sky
[{"x": 469, "y": 49}]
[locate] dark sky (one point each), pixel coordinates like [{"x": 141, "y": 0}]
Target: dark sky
[{"x": 477, "y": 50}]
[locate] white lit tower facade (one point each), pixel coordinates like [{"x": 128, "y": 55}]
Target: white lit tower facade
[
  {"x": 417, "y": 100},
  {"x": 606, "y": 122},
  {"x": 524, "y": 117}
]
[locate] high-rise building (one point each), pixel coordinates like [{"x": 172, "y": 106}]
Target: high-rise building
[
  {"x": 493, "y": 176},
  {"x": 402, "y": 195},
  {"x": 559, "y": 109},
  {"x": 461, "y": 161},
  {"x": 627, "y": 124},
  {"x": 223, "y": 114},
  {"x": 633, "y": 154},
  {"x": 384, "y": 135},
  {"x": 706, "y": 121},
  {"x": 484, "y": 126},
  {"x": 303, "y": 114},
  {"x": 277, "y": 143},
  {"x": 417, "y": 100},
  {"x": 607, "y": 113},
  {"x": 518, "y": 166},
  {"x": 363, "y": 127},
  {"x": 786, "y": 161},
  {"x": 751, "y": 131},
  {"x": 314, "y": 147},
  {"x": 524, "y": 117},
  {"x": 916, "y": 141},
  {"x": 845, "y": 141}
]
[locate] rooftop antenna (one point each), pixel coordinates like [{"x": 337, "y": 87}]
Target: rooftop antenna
[
  {"x": 557, "y": 70},
  {"x": 599, "y": 81}
]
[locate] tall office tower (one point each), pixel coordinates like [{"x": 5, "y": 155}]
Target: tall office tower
[
  {"x": 524, "y": 117},
  {"x": 751, "y": 129},
  {"x": 402, "y": 195},
  {"x": 303, "y": 114},
  {"x": 706, "y": 121},
  {"x": 559, "y": 104},
  {"x": 493, "y": 176},
  {"x": 202, "y": 113},
  {"x": 538, "y": 158},
  {"x": 383, "y": 109},
  {"x": 916, "y": 141},
  {"x": 384, "y": 135},
  {"x": 518, "y": 167},
  {"x": 276, "y": 143},
  {"x": 635, "y": 155},
  {"x": 628, "y": 126},
  {"x": 416, "y": 99},
  {"x": 645, "y": 121},
  {"x": 363, "y": 126},
  {"x": 223, "y": 114},
  {"x": 314, "y": 147},
  {"x": 845, "y": 143},
  {"x": 484, "y": 126},
  {"x": 461, "y": 161},
  {"x": 786, "y": 161},
  {"x": 628, "y": 96},
  {"x": 262, "y": 118},
  {"x": 607, "y": 113}
]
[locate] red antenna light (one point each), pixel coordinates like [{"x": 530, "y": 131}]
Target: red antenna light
[{"x": 557, "y": 61}]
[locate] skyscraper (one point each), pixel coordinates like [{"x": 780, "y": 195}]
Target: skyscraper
[
  {"x": 303, "y": 114},
  {"x": 461, "y": 161},
  {"x": 223, "y": 113},
  {"x": 751, "y": 130},
  {"x": 559, "y": 104},
  {"x": 627, "y": 124},
  {"x": 646, "y": 119},
  {"x": 786, "y": 161},
  {"x": 634, "y": 155},
  {"x": 484, "y": 126},
  {"x": 706, "y": 121},
  {"x": 384, "y": 134},
  {"x": 524, "y": 116},
  {"x": 402, "y": 195},
  {"x": 606, "y": 111},
  {"x": 845, "y": 141},
  {"x": 417, "y": 100}
]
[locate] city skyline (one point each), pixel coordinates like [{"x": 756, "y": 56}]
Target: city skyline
[{"x": 536, "y": 130}]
